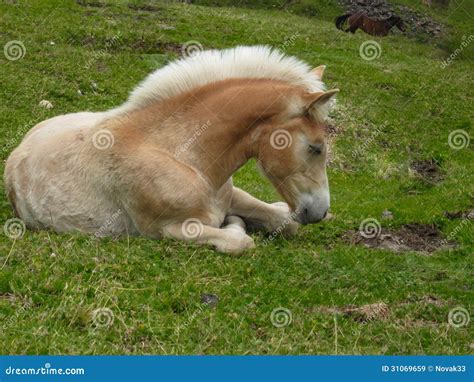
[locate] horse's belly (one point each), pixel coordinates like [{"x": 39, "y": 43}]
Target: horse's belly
[{"x": 49, "y": 179}]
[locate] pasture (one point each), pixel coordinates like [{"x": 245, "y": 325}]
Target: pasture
[{"x": 390, "y": 273}]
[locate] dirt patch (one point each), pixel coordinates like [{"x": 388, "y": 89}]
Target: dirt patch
[
  {"x": 469, "y": 214},
  {"x": 153, "y": 47},
  {"x": 331, "y": 129},
  {"x": 421, "y": 238},
  {"x": 111, "y": 44},
  {"x": 381, "y": 311},
  {"x": 385, "y": 86},
  {"x": 8, "y": 297},
  {"x": 92, "y": 3},
  {"x": 428, "y": 170},
  {"x": 423, "y": 300},
  {"x": 144, "y": 7},
  {"x": 382, "y": 9},
  {"x": 410, "y": 323},
  {"x": 364, "y": 313}
]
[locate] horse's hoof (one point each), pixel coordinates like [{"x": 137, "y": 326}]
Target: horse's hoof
[
  {"x": 236, "y": 244},
  {"x": 286, "y": 225}
]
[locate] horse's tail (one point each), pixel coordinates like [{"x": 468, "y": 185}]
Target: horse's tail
[{"x": 341, "y": 19}]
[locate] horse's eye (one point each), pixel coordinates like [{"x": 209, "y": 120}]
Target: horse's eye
[{"x": 316, "y": 149}]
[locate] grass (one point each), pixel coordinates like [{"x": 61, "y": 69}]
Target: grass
[{"x": 394, "y": 110}]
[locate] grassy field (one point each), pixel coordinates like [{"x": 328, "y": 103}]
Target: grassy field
[{"x": 400, "y": 144}]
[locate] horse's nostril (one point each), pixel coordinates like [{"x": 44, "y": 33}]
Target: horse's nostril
[{"x": 304, "y": 216}]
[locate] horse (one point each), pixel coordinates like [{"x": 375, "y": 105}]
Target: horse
[
  {"x": 368, "y": 25},
  {"x": 161, "y": 164}
]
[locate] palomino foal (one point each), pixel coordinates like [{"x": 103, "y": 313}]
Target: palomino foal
[{"x": 162, "y": 163}]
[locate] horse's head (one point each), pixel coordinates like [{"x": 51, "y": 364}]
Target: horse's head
[
  {"x": 292, "y": 154},
  {"x": 398, "y": 22}
]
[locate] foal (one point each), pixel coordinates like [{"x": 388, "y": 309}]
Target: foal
[
  {"x": 368, "y": 25},
  {"x": 161, "y": 164}
]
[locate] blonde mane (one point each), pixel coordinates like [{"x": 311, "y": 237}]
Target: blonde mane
[{"x": 215, "y": 65}]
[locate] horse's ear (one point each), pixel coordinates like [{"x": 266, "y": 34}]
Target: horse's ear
[
  {"x": 319, "y": 71},
  {"x": 319, "y": 104}
]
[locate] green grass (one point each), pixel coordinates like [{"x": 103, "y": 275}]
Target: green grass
[{"x": 154, "y": 288}]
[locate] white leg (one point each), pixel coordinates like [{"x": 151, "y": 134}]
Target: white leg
[
  {"x": 231, "y": 238},
  {"x": 273, "y": 217}
]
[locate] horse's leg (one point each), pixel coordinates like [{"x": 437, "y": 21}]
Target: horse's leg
[
  {"x": 231, "y": 238},
  {"x": 272, "y": 217},
  {"x": 352, "y": 29}
]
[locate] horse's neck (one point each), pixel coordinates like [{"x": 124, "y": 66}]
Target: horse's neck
[{"x": 214, "y": 128}]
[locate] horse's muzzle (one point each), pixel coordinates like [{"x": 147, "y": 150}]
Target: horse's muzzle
[
  {"x": 307, "y": 217},
  {"x": 312, "y": 209}
]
